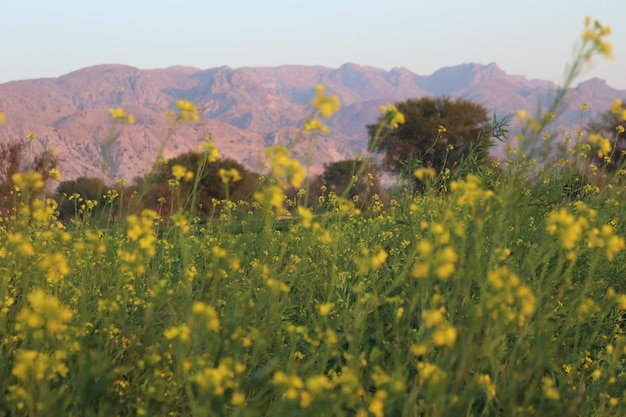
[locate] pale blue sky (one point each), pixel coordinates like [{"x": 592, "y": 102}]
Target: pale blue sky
[{"x": 534, "y": 38}]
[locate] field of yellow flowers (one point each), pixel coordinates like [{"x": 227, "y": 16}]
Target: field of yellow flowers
[{"x": 490, "y": 295}]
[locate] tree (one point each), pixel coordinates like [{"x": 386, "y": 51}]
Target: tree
[
  {"x": 353, "y": 178},
  {"x": 437, "y": 133},
  {"x": 85, "y": 187},
  {"x": 611, "y": 125},
  {"x": 210, "y": 187},
  {"x": 14, "y": 158}
]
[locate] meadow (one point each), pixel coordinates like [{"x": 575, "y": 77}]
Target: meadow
[{"x": 499, "y": 292}]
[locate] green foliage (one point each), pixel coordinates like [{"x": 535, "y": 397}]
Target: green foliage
[
  {"x": 72, "y": 194},
  {"x": 209, "y": 187},
  {"x": 16, "y": 157},
  {"x": 486, "y": 295},
  {"x": 356, "y": 179},
  {"x": 437, "y": 133},
  {"x": 612, "y": 126}
]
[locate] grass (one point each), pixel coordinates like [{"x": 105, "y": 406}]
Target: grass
[{"x": 494, "y": 295}]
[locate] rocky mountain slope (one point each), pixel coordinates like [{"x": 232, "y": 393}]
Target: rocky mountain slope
[{"x": 246, "y": 109}]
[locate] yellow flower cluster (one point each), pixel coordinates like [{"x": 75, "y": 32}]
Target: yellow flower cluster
[
  {"x": 327, "y": 105},
  {"x": 229, "y": 175},
  {"x": 596, "y": 35},
  {"x": 392, "y": 116},
  {"x": 180, "y": 221},
  {"x": 603, "y": 144},
  {"x": 485, "y": 381},
  {"x": 55, "y": 266},
  {"x": 572, "y": 229},
  {"x": 181, "y": 332},
  {"x": 1, "y": 117},
  {"x": 315, "y": 125},
  {"x": 424, "y": 173},
  {"x": 617, "y": 108},
  {"x": 141, "y": 229},
  {"x": 179, "y": 172},
  {"x": 217, "y": 380},
  {"x": 285, "y": 170},
  {"x": 45, "y": 312},
  {"x": 547, "y": 385},
  {"x": 118, "y": 114},
  {"x": 470, "y": 192},
  {"x": 506, "y": 293},
  {"x": 29, "y": 180},
  {"x": 186, "y": 111},
  {"x": 443, "y": 263},
  {"x": 273, "y": 196},
  {"x": 325, "y": 308},
  {"x": 295, "y": 389},
  {"x": 31, "y": 365},
  {"x": 606, "y": 238},
  {"x": 306, "y": 216},
  {"x": 209, "y": 149},
  {"x": 208, "y": 314}
]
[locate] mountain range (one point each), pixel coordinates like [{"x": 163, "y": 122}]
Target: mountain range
[{"x": 248, "y": 109}]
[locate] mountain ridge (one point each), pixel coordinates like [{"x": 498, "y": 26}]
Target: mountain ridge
[{"x": 245, "y": 109}]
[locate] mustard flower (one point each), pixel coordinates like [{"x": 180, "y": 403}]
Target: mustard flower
[
  {"x": 596, "y": 35},
  {"x": 484, "y": 381},
  {"x": 551, "y": 393},
  {"x": 32, "y": 180},
  {"x": 180, "y": 172},
  {"x": 618, "y": 109},
  {"x": 186, "y": 111},
  {"x": 379, "y": 258},
  {"x": 327, "y": 105},
  {"x": 306, "y": 215},
  {"x": 326, "y": 308},
  {"x": 392, "y": 116},
  {"x": 118, "y": 113},
  {"x": 603, "y": 144},
  {"x": 229, "y": 175},
  {"x": 445, "y": 335}
]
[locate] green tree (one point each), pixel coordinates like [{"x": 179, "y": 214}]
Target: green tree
[
  {"x": 15, "y": 158},
  {"x": 210, "y": 186},
  {"x": 611, "y": 125},
  {"x": 353, "y": 178},
  {"x": 437, "y": 133},
  {"x": 72, "y": 193}
]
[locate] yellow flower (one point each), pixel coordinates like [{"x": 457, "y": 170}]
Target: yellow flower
[
  {"x": 229, "y": 175},
  {"x": 549, "y": 391},
  {"x": 186, "y": 111},
  {"x": 179, "y": 172},
  {"x": 392, "y": 115},
  {"x": 433, "y": 318},
  {"x": 484, "y": 380},
  {"x": 326, "y": 308},
  {"x": 118, "y": 113},
  {"x": 445, "y": 335},
  {"x": 422, "y": 173},
  {"x": 306, "y": 215},
  {"x": 327, "y": 105},
  {"x": 238, "y": 398},
  {"x": 1, "y": 117},
  {"x": 32, "y": 180},
  {"x": 378, "y": 260}
]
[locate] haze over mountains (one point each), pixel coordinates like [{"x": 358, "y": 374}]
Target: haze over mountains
[{"x": 248, "y": 109}]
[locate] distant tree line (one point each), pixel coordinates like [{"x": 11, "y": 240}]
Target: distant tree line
[{"x": 438, "y": 133}]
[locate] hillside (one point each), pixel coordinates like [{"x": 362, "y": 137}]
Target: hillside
[{"x": 246, "y": 109}]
